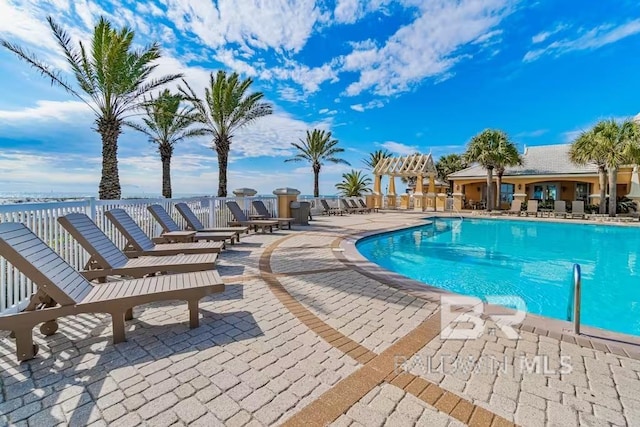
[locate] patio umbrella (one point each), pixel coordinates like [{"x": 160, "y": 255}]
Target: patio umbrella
[{"x": 634, "y": 191}]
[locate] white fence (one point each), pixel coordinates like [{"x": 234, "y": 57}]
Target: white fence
[{"x": 16, "y": 289}]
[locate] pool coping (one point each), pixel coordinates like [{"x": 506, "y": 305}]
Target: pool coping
[{"x": 344, "y": 249}]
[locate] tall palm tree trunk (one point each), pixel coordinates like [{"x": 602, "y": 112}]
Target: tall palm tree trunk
[
  {"x": 613, "y": 191},
  {"x": 498, "y": 189},
  {"x": 222, "y": 147},
  {"x": 490, "y": 202},
  {"x": 109, "y": 129},
  {"x": 316, "y": 180},
  {"x": 165, "y": 156},
  {"x": 602, "y": 179}
]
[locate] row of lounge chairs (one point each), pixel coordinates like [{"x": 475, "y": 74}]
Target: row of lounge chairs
[
  {"x": 64, "y": 291},
  {"x": 559, "y": 209},
  {"x": 356, "y": 205}
]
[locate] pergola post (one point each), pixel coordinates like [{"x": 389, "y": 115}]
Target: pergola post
[
  {"x": 377, "y": 191},
  {"x": 431, "y": 192},
  {"x": 418, "y": 196},
  {"x": 391, "y": 194}
]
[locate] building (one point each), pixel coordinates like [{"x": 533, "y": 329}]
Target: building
[{"x": 546, "y": 174}]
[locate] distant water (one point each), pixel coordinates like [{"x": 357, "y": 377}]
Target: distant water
[{"x": 9, "y": 197}]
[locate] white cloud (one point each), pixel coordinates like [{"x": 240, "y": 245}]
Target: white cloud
[
  {"x": 586, "y": 40},
  {"x": 399, "y": 148},
  {"x": 328, "y": 112},
  {"x": 428, "y": 47},
  {"x": 282, "y": 25},
  {"x": 544, "y": 35},
  {"x": 62, "y": 111},
  {"x": 350, "y": 11},
  {"x": 376, "y": 103}
]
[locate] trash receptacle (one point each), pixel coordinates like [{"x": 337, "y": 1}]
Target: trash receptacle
[{"x": 300, "y": 212}]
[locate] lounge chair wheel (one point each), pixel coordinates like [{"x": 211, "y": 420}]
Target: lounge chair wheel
[{"x": 49, "y": 328}]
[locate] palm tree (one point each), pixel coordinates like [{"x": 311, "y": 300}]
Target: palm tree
[
  {"x": 166, "y": 124},
  {"x": 483, "y": 149},
  {"x": 449, "y": 164},
  {"x": 112, "y": 80},
  {"x": 620, "y": 143},
  {"x": 507, "y": 155},
  {"x": 354, "y": 184},
  {"x": 227, "y": 107},
  {"x": 586, "y": 149},
  {"x": 317, "y": 148},
  {"x": 372, "y": 161}
]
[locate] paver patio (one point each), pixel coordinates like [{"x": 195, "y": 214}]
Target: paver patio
[{"x": 302, "y": 337}]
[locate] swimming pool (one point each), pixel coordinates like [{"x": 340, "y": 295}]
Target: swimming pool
[{"x": 532, "y": 260}]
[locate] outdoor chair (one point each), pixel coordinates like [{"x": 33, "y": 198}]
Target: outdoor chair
[
  {"x": 516, "y": 207},
  {"x": 139, "y": 244},
  {"x": 193, "y": 223},
  {"x": 262, "y": 210},
  {"x": 364, "y": 205},
  {"x": 349, "y": 208},
  {"x": 63, "y": 291},
  {"x": 355, "y": 206},
  {"x": 107, "y": 260},
  {"x": 532, "y": 208},
  {"x": 241, "y": 219},
  {"x": 328, "y": 210},
  {"x": 559, "y": 209},
  {"x": 577, "y": 209},
  {"x": 170, "y": 227}
]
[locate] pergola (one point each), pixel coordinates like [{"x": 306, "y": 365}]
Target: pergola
[{"x": 415, "y": 165}]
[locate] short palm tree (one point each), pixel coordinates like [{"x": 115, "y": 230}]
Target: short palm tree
[
  {"x": 354, "y": 184},
  {"x": 449, "y": 164},
  {"x": 507, "y": 155},
  {"x": 587, "y": 149},
  {"x": 166, "y": 123},
  {"x": 483, "y": 149},
  {"x": 227, "y": 107},
  {"x": 374, "y": 158},
  {"x": 621, "y": 145},
  {"x": 112, "y": 79},
  {"x": 318, "y": 147}
]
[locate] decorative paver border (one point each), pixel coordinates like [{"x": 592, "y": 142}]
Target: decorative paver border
[
  {"x": 377, "y": 369},
  {"x": 592, "y": 338}
]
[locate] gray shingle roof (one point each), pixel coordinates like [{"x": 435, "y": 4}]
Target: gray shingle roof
[{"x": 538, "y": 160}]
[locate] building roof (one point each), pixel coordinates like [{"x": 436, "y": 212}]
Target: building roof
[{"x": 537, "y": 160}]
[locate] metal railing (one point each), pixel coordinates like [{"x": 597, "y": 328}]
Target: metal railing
[
  {"x": 42, "y": 219},
  {"x": 575, "y": 299}
]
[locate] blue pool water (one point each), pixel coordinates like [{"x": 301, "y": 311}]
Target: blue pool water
[{"x": 532, "y": 260}]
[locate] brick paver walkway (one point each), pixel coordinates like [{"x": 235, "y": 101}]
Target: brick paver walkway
[{"x": 301, "y": 337}]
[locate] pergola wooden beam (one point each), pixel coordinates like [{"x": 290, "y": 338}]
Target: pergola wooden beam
[{"x": 408, "y": 166}]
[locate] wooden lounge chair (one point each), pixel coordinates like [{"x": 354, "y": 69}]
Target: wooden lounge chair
[
  {"x": 348, "y": 208},
  {"x": 193, "y": 223},
  {"x": 577, "y": 209},
  {"x": 62, "y": 291},
  {"x": 139, "y": 244},
  {"x": 262, "y": 210},
  {"x": 255, "y": 224},
  {"x": 516, "y": 207},
  {"x": 559, "y": 209},
  {"x": 328, "y": 210},
  {"x": 107, "y": 260},
  {"x": 169, "y": 226},
  {"x": 355, "y": 206},
  {"x": 532, "y": 208},
  {"x": 364, "y": 205}
]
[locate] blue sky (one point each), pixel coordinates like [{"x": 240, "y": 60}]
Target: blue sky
[{"x": 408, "y": 75}]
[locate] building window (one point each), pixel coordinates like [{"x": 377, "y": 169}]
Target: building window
[
  {"x": 506, "y": 193},
  {"x": 582, "y": 191}
]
